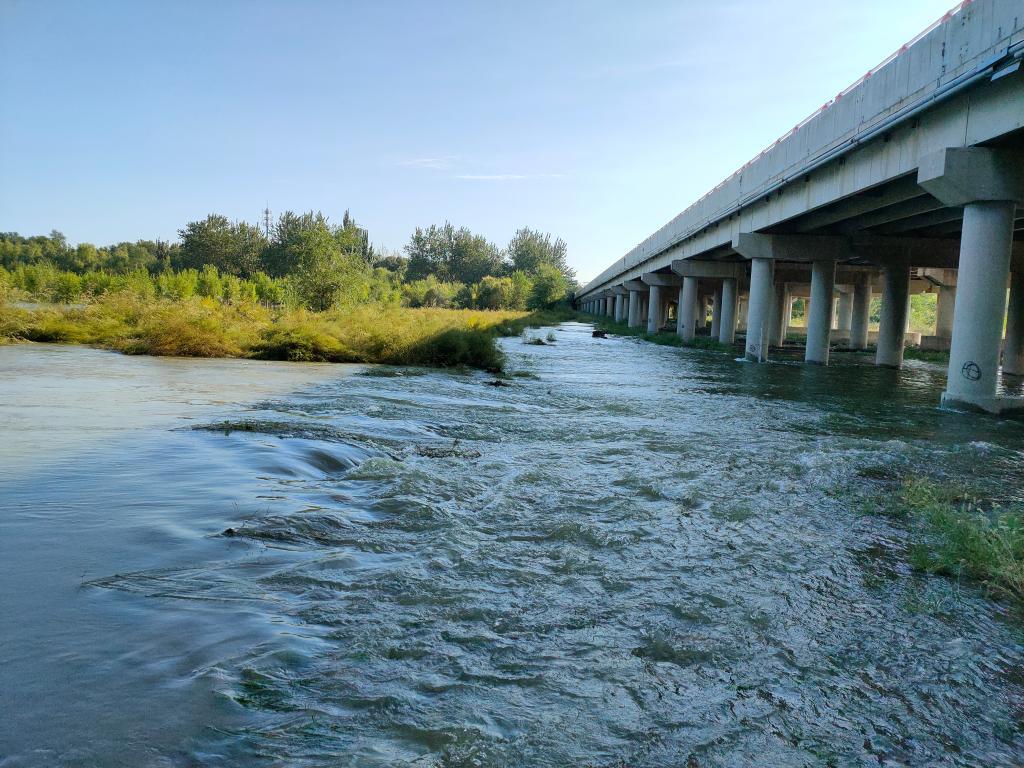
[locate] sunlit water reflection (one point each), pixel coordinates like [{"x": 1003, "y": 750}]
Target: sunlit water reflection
[{"x": 639, "y": 555}]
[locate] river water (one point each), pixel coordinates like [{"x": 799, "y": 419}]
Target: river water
[{"x": 633, "y": 556}]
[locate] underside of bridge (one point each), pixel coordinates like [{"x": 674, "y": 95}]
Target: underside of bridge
[{"x": 926, "y": 194}]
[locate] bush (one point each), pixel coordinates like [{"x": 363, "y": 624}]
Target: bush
[
  {"x": 459, "y": 346},
  {"x": 301, "y": 337},
  {"x": 194, "y": 332}
]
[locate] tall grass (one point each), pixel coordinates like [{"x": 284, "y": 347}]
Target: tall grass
[{"x": 197, "y": 327}]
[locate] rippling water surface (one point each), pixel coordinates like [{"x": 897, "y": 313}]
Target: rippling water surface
[{"x": 635, "y": 555}]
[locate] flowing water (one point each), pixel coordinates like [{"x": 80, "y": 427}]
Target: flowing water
[{"x": 637, "y": 555}]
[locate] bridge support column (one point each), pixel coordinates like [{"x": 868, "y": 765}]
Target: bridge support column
[
  {"x": 759, "y": 308},
  {"x": 892, "y": 325},
  {"x": 716, "y": 313},
  {"x": 985, "y": 245},
  {"x": 1013, "y": 347},
  {"x": 945, "y": 302},
  {"x": 634, "y": 309},
  {"x": 654, "y": 316},
  {"x": 845, "y": 319},
  {"x": 730, "y": 301},
  {"x": 861, "y": 312},
  {"x": 780, "y": 303},
  {"x": 989, "y": 184},
  {"x": 686, "y": 314},
  {"x": 618, "y": 307},
  {"x": 819, "y": 322}
]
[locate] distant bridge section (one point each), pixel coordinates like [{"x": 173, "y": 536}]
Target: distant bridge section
[{"x": 909, "y": 180}]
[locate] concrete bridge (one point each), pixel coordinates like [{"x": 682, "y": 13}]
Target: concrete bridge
[{"x": 909, "y": 180}]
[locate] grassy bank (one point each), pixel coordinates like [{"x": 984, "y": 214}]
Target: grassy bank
[
  {"x": 197, "y": 327},
  {"x": 665, "y": 339},
  {"x": 927, "y": 355},
  {"x": 955, "y": 533}
]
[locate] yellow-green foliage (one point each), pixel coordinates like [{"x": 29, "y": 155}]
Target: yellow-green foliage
[{"x": 198, "y": 327}]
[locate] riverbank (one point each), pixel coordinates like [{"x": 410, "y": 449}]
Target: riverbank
[
  {"x": 670, "y": 339},
  {"x": 195, "y": 327}
]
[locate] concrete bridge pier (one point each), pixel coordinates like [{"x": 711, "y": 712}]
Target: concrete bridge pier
[
  {"x": 985, "y": 248},
  {"x": 623, "y": 313},
  {"x": 609, "y": 306},
  {"x": 1013, "y": 346},
  {"x": 716, "y": 312},
  {"x": 759, "y": 308},
  {"x": 686, "y": 317},
  {"x": 763, "y": 250},
  {"x": 861, "y": 312},
  {"x": 819, "y": 321},
  {"x": 658, "y": 297},
  {"x": 618, "y": 307},
  {"x": 637, "y": 291},
  {"x": 989, "y": 184},
  {"x": 945, "y": 302},
  {"x": 780, "y": 302},
  {"x": 892, "y": 323},
  {"x": 654, "y": 308},
  {"x": 844, "y": 320},
  {"x": 730, "y": 305}
]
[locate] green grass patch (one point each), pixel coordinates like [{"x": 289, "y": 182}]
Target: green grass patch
[
  {"x": 928, "y": 355},
  {"x": 955, "y": 533},
  {"x": 664, "y": 338}
]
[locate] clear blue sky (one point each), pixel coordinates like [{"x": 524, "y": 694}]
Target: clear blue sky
[{"x": 597, "y": 121}]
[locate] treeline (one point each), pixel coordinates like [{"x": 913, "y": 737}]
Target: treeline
[{"x": 303, "y": 260}]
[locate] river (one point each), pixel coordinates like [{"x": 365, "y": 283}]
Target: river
[{"x": 633, "y": 555}]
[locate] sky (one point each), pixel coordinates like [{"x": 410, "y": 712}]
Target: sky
[{"x": 595, "y": 121}]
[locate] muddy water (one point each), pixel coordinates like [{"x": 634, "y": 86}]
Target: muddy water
[{"x": 635, "y": 556}]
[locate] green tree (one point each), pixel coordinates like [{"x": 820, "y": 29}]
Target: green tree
[
  {"x": 325, "y": 277},
  {"x": 282, "y": 256},
  {"x": 209, "y": 283},
  {"x": 529, "y": 249},
  {"x": 550, "y": 286},
  {"x": 234, "y": 249},
  {"x": 451, "y": 255}
]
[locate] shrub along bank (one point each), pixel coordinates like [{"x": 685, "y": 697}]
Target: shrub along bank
[{"x": 202, "y": 327}]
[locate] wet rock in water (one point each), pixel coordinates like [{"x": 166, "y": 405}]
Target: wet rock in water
[
  {"x": 454, "y": 451},
  {"x": 599, "y": 334},
  {"x": 230, "y": 532},
  {"x": 498, "y": 383}
]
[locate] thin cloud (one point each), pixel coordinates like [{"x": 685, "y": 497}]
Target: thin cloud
[
  {"x": 431, "y": 163},
  {"x": 507, "y": 176}
]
